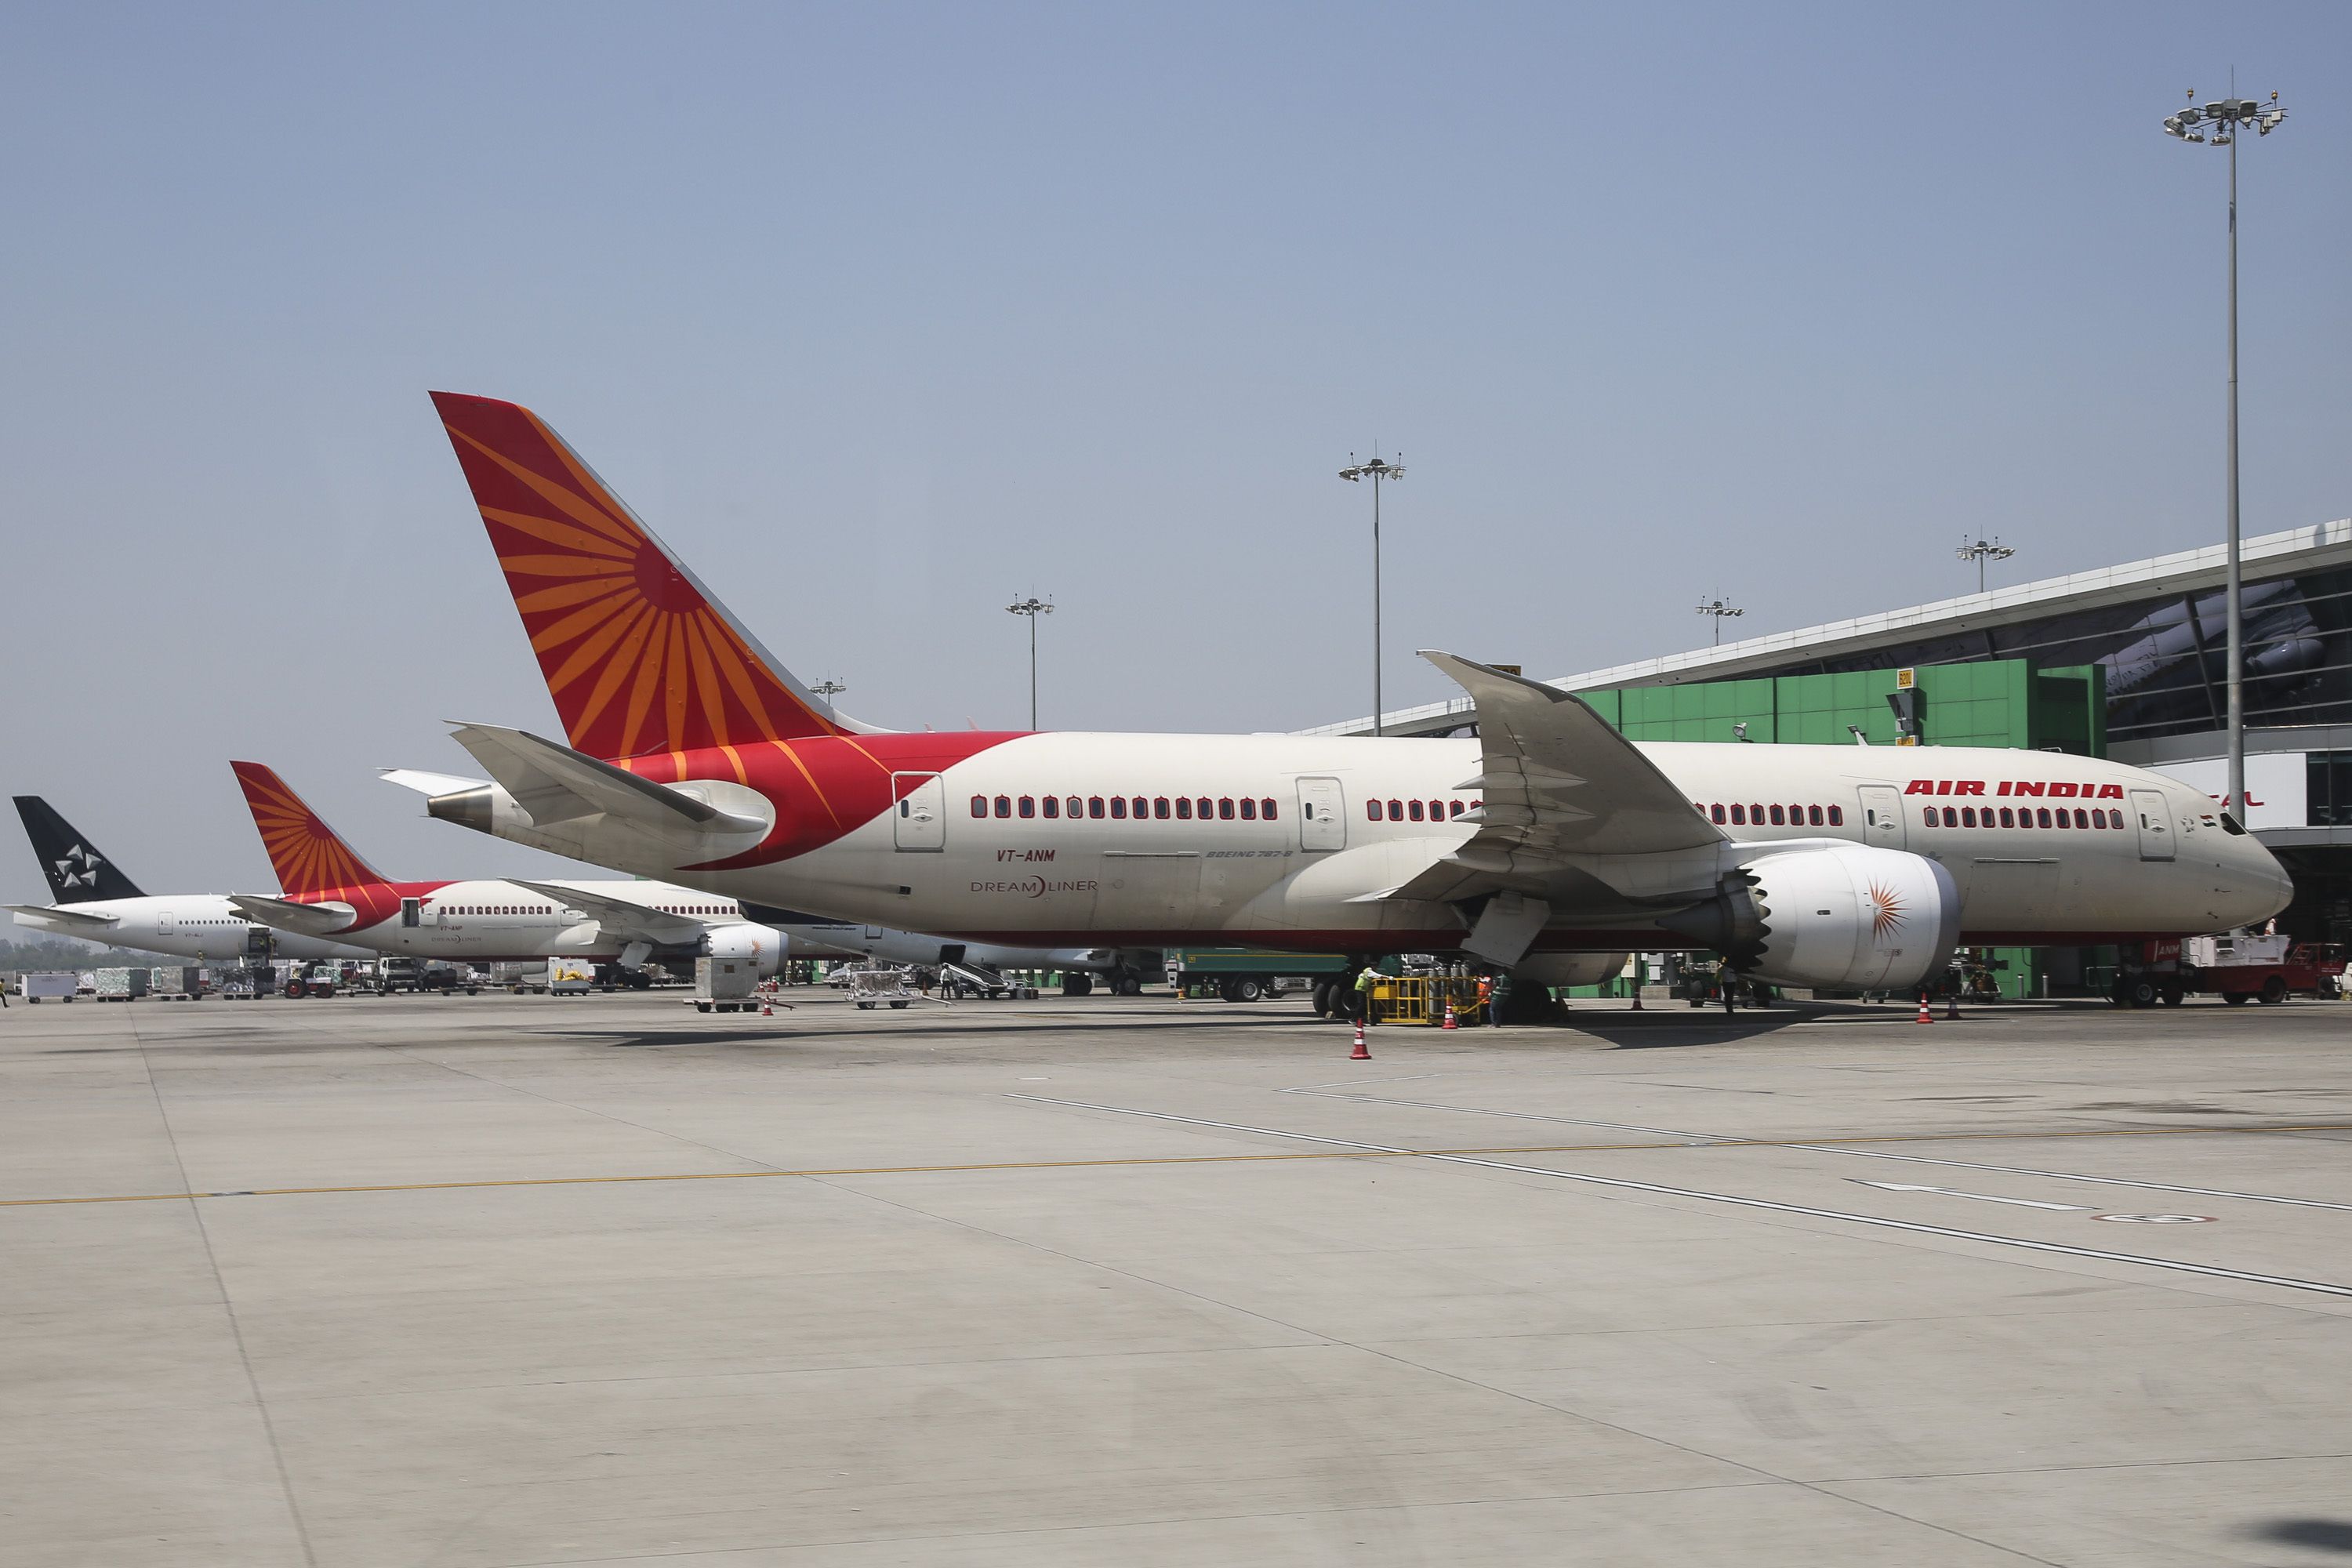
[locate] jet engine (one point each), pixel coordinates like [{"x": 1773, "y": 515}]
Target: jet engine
[
  {"x": 1851, "y": 918},
  {"x": 764, "y": 945}
]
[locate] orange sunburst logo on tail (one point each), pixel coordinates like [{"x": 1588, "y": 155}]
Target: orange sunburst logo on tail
[
  {"x": 637, "y": 656},
  {"x": 1886, "y": 913},
  {"x": 310, "y": 859}
]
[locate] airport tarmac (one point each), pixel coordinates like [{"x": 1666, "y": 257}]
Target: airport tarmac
[{"x": 471, "y": 1282}]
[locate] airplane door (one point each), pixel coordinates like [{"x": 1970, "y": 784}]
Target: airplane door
[
  {"x": 163, "y": 926},
  {"x": 2155, "y": 829},
  {"x": 1882, "y": 817},
  {"x": 922, "y": 822},
  {"x": 1322, "y": 815},
  {"x": 409, "y": 919}
]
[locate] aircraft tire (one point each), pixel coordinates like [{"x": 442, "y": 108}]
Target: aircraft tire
[{"x": 1128, "y": 986}]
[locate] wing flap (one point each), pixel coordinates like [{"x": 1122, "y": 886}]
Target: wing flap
[
  {"x": 555, "y": 783},
  {"x": 322, "y": 918}
]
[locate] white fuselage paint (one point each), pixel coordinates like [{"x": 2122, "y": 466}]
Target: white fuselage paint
[
  {"x": 203, "y": 926},
  {"x": 1046, "y": 882},
  {"x": 490, "y": 921}
]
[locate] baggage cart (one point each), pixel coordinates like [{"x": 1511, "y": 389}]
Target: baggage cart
[
  {"x": 570, "y": 976},
  {"x": 872, "y": 987}
]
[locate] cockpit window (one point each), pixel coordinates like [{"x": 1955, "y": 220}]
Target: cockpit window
[{"x": 2229, "y": 826}]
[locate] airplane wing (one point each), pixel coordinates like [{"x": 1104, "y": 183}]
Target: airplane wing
[
  {"x": 1556, "y": 780},
  {"x": 73, "y": 920},
  {"x": 324, "y": 918},
  {"x": 555, "y": 783},
  {"x": 423, "y": 783},
  {"x": 622, "y": 917}
]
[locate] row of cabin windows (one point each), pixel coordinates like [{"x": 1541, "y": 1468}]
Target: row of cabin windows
[
  {"x": 1182, "y": 807},
  {"x": 1417, "y": 810},
  {"x": 550, "y": 908},
  {"x": 2024, "y": 816},
  {"x": 1776, "y": 815}
]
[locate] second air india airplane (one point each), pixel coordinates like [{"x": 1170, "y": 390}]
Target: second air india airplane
[
  {"x": 327, "y": 892},
  {"x": 691, "y": 752}
]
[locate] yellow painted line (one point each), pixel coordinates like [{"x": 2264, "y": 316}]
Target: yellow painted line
[{"x": 1168, "y": 1160}]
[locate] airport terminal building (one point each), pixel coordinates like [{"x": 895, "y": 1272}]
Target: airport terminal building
[{"x": 2125, "y": 662}]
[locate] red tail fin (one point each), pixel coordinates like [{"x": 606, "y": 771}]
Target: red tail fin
[
  {"x": 638, "y": 655},
  {"x": 310, "y": 859}
]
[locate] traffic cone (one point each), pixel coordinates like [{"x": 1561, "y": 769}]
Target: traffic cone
[
  {"x": 1449, "y": 1022},
  {"x": 765, "y": 1010},
  {"x": 1359, "y": 1053},
  {"x": 1925, "y": 1016}
]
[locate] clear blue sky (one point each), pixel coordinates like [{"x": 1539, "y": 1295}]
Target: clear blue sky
[{"x": 883, "y": 316}]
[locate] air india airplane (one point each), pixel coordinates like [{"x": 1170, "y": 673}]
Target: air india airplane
[
  {"x": 690, "y": 752},
  {"x": 329, "y": 892}
]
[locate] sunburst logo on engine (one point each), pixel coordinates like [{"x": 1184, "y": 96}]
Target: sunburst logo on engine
[{"x": 1886, "y": 913}]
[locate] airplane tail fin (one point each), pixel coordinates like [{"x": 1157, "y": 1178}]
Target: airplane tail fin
[
  {"x": 310, "y": 859},
  {"x": 76, "y": 872},
  {"x": 639, "y": 656}
]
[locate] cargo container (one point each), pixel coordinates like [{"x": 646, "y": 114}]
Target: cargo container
[
  {"x": 725, "y": 984},
  {"x": 176, "y": 982},
  {"x": 49, "y": 985},
  {"x": 120, "y": 985}
]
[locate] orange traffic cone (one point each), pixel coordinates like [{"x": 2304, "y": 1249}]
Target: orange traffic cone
[
  {"x": 1359, "y": 1053},
  {"x": 1925, "y": 1016},
  {"x": 1449, "y": 1022}
]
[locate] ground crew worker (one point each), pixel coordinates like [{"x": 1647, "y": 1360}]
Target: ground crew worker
[
  {"x": 1499, "y": 998},
  {"x": 1486, "y": 997},
  {"x": 1364, "y": 983}
]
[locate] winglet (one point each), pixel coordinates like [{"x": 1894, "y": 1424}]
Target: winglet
[
  {"x": 310, "y": 860},
  {"x": 639, "y": 656}
]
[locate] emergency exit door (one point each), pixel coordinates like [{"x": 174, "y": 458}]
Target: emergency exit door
[
  {"x": 920, "y": 820},
  {"x": 1322, "y": 815}
]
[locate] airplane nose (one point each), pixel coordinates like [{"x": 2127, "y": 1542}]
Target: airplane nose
[{"x": 2260, "y": 886}]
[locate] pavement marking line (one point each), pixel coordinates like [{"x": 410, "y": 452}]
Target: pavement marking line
[
  {"x": 1367, "y": 1153},
  {"x": 1836, "y": 1145},
  {"x": 2101, "y": 1181},
  {"x": 1980, "y": 1197},
  {"x": 1876, "y": 1222}
]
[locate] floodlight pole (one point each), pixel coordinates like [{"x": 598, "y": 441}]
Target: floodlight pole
[
  {"x": 2232, "y": 117},
  {"x": 1983, "y": 551},
  {"x": 1376, "y": 470},
  {"x": 1031, "y": 607},
  {"x": 828, "y": 688},
  {"x": 1718, "y": 611},
  {"x": 2237, "y": 618}
]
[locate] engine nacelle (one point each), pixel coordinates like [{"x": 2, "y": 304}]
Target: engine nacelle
[
  {"x": 763, "y": 945},
  {"x": 1569, "y": 968},
  {"x": 1852, "y": 918}
]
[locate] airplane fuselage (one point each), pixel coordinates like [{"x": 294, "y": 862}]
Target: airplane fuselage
[
  {"x": 1294, "y": 841},
  {"x": 202, "y": 926}
]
